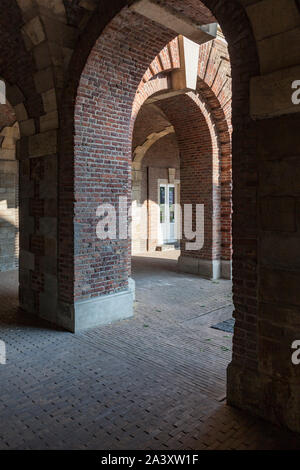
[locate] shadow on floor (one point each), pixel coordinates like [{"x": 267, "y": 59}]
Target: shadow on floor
[
  {"x": 10, "y": 312},
  {"x": 151, "y": 382}
]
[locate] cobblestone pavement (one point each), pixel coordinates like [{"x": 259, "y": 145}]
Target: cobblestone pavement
[{"x": 156, "y": 381}]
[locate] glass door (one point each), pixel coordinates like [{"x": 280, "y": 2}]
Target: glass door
[
  {"x": 167, "y": 213},
  {"x": 171, "y": 214}
]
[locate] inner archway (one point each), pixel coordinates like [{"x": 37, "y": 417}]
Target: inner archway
[
  {"x": 177, "y": 153},
  {"x": 9, "y": 189}
]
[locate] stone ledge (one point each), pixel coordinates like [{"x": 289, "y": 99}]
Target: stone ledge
[
  {"x": 273, "y": 399},
  {"x": 226, "y": 269},
  {"x": 99, "y": 311},
  {"x": 271, "y": 94},
  {"x": 209, "y": 269}
]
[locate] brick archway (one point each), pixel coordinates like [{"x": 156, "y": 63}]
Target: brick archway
[
  {"x": 107, "y": 82},
  {"x": 200, "y": 176},
  {"x": 109, "y": 26},
  {"x": 215, "y": 93},
  {"x": 113, "y": 105}
]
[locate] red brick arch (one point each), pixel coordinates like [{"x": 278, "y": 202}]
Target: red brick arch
[
  {"x": 214, "y": 87},
  {"x": 199, "y": 163},
  {"x": 105, "y": 96},
  {"x": 105, "y": 71}
]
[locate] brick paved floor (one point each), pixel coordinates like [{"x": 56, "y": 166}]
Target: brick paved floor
[{"x": 156, "y": 381}]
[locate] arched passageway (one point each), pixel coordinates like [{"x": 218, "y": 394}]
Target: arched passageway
[
  {"x": 187, "y": 119},
  {"x": 72, "y": 73},
  {"x": 176, "y": 167},
  {"x": 9, "y": 189},
  {"x": 124, "y": 63}
]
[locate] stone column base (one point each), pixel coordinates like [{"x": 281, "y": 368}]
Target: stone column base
[
  {"x": 209, "y": 269},
  {"x": 98, "y": 311},
  {"x": 226, "y": 269},
  {"x": 271, "y": 398}
]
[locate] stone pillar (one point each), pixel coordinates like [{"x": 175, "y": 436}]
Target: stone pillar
[{"x": 139, "y": 231}]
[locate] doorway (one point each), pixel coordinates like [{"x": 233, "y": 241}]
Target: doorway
[{"x": 169, "y": 217}]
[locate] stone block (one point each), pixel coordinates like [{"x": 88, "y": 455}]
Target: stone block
[
  {"x": 22, "y": 148},
  {"x": 176, "y": 22},
  {"x": 27, "y": 128},
  {"x": 281, "y": 315},
  {"x": 67, "y": 55},
  {"x": 25, "y": 5},
  {"x": 43, "y": 144},
  {"x": 278, "y": 214},
  {"x": 53, "y": 29},
  {"x": 56, "y": 52},
  {"x": 98, "y": 311},
  {"x": 14, "y": 95},
  {"x": 51, "y": 284},
  {"x": 27, "y": 260},
  {"x": 26, "y": 300},
  {"x": 42, "y": 56},
  {"x": 48, "y": 306},
  {"x": 24, "y": 278},
  {"x": 44, "y": 80},
  {"x": 271, "y": 95},
  {"x": 208, "y": 269},
  {"x": 48, "y": 264},
  {"x": 49, "y": 121},
  {"x": 55, "y": 6},
  {"x": 26, "y": 224},
  {"x": 267, "y": 19},
  {"x": 278, "y": 137},
  {"x": 21, "y": 113},
  {"x": 35, "y": 31},
  {"x": 24, "y": 169},
  {"x": 48, "y": 189},
  {"x": 48, "y": 226},
  {"x": 51, "y": 170},
  {"x": 69, "y": 37},
  {"x": 7, "y": 154},
  {"x": 279, "y": 286},
  {"x": 51, "y": 207},
  {"x": 286, "y": 47},
  {"x": 8, "y": 144},
  {"x": 51, "y": 247},
  {"x": 280, "y": 177},
  {"x": 26, "y": 189},
  {"x": 280, "y": 250},
  {"x": 49, "y": 100},
  {"x": 226, "y": 269}
]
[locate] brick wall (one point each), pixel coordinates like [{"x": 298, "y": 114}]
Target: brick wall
[
  {"x": 103, "y": 150},
  {"x": 9, "y": 219},
  {"x": 104, "y": 96},
  {"x": 9, "y": 190}
]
